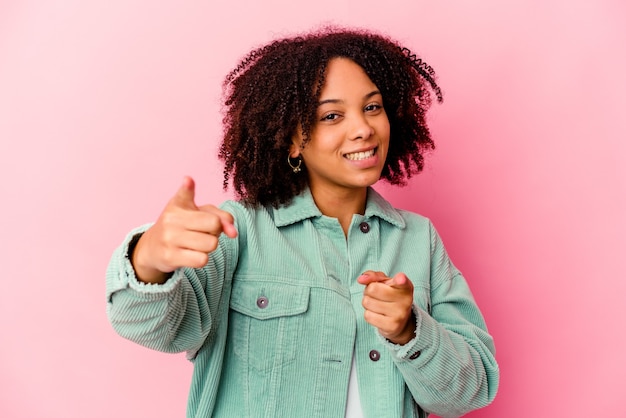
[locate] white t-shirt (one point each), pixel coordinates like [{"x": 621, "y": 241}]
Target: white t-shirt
[{"x": 353, "y": 406}]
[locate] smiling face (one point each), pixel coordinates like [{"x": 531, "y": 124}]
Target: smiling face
[{"x": 349, "y": 141}]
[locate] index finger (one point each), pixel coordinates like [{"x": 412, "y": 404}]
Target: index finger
[
  {"x": 371, "y": 276},
  {"x": 400, "y": 281}
]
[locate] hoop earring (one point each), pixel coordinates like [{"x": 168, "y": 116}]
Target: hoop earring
[{"x": 296, "y": 169}]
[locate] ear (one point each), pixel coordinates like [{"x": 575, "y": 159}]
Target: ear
[
  {"x": 294, "y": 150},
  {"x": 296, "y": 144}
]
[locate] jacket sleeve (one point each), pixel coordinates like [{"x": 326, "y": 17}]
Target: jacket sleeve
[
  {"x": 449, "y": 366},
  {"x": 175, "y": 316}
]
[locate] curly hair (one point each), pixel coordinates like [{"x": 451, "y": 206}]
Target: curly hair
[{"x": 276, "y": 88}]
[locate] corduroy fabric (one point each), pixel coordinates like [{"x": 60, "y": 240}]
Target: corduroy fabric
[{"x": 273, "y": 320}]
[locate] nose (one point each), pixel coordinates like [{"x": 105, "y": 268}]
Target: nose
[{"x": 360, "y": 128}]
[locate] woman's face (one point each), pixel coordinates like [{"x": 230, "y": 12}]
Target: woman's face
[{"x": 349, "y": 141}]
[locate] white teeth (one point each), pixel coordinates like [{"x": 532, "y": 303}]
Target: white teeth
[{"x": 360, "y": 155}]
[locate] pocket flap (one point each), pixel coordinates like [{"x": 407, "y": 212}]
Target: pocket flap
[{"x": 266, "y": 300}]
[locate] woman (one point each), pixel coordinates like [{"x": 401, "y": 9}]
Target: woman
[{"x": 310, "y": 295}]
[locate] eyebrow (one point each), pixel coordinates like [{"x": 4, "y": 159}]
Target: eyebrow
[{"x": 367, "y": 96}]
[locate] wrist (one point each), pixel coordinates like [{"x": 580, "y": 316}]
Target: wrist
[
  {"x": 408, "y": 333},
  {"x": 143, "y": 272}
]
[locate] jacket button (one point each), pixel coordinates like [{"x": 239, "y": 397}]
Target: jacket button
[
  {"x": 262, "y": 302},
  {"x": 415, "y": 355},
  {"x": 364, "y": 227},
  {"x": 374, "y": 355}
]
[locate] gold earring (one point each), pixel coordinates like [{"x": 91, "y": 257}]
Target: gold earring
[{"x": 296, "y": 169}]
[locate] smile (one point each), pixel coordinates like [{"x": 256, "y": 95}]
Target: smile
[{"x": 357, "y": 156}]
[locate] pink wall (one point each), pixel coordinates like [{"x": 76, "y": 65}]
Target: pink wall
[{"x": 105, "y": 106}]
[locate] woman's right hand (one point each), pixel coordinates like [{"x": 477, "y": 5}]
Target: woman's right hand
[{"x": 183, "y": 236}]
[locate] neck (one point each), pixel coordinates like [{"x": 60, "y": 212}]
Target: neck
[{"x": 340, "y": 204}]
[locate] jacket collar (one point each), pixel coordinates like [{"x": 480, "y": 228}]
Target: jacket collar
[{"x": 303, "y": 207}]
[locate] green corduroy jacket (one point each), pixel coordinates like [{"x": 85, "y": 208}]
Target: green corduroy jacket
[{"x": 273, "y": 320}]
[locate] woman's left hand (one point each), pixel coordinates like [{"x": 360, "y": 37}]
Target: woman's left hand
[{"x": 388, "y": 305}]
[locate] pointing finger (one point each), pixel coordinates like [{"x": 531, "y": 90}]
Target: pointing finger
[
  {"x": 187, "y": 192},
  {"x": 400, "y": 281},
  {"x": 370, "y": 276}
]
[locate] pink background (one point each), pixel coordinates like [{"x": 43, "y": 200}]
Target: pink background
[{"x": 105, "y": 106}]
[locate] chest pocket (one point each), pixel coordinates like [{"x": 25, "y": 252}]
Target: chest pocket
[{"x": 266, "y": 321}]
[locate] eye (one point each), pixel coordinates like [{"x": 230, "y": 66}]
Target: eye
[
  {"x": 373, "y": 107},
  {"x": 330, "y": 117}
]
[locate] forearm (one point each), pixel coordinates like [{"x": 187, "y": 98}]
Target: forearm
[
  {"x": 172, "y": 317},
  {"x": 448, "y": 373},
  {"x": 151, "y": 317},
  {"x": 450, "y": 366}
]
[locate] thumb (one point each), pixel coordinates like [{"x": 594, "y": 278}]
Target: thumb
[{"x": 186, "y": 192}]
